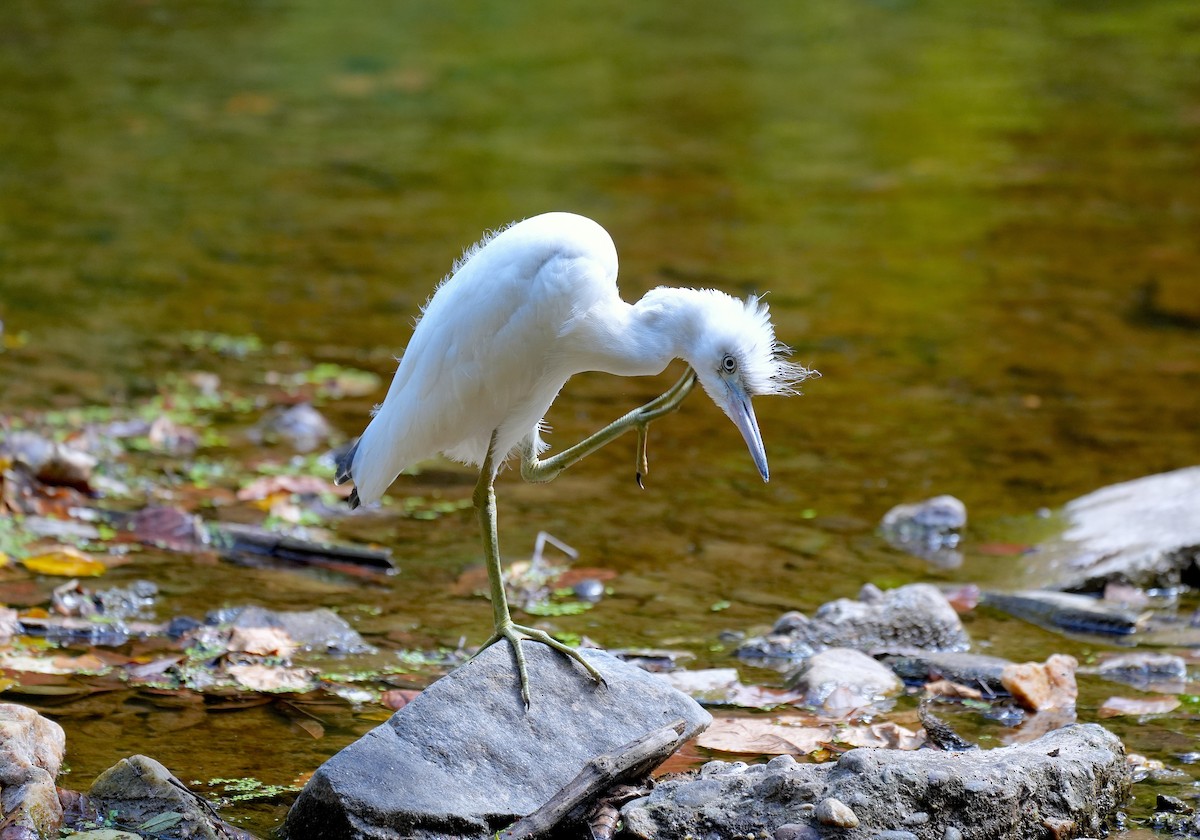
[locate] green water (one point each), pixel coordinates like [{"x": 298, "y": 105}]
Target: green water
[{"x": 978, "y": 221}]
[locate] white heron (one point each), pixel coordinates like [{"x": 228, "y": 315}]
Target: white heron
[{"x": 521, "y": 313}]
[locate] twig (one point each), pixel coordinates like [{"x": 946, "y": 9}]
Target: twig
[{"x": 630, "y": 761}]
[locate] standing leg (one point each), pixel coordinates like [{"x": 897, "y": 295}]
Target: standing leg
[{"x": 503, "y": 626}]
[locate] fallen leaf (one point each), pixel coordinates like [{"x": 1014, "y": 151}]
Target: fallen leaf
[
  {"x": 1042, "y": 686},
  {"x": 887, "y": 734},
  {"x": 1116, "y": 706},
  {"x": 262, "y": 641},
  {"x": 300, "y": 485},
  {"x": 765, "y": 736},
  {"x": 397, "y": 698},
  {"x": 168, "y": 527},
  {"x": 267, "y": 678},
  {"x": 312, "y": 727},
  {"x": 64, "y": 561},
  {"x": 26, "y": 663},
  {"x": 945, "y": 689},
  {"x": 161, "y": 822}
]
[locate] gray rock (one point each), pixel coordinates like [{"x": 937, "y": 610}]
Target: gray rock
[
  {"x": 1147, "y": 671},
  {"x": 1076, "y": 774},
  {"x": 976, "y": 670},
  {"x": 301, "y": 426},
  {"x": 837, "y": 680},
  {"x": 928, "y": 529},
  {"x": 49, "y": 461},
  {"x": 320, "y": 630},
  {"x": 1068, "y": 612},
  {"x": 1145, "y": 532},
  {"x": 139, "y": 789},
  {"x": 31, "y": 753},
  {"x": 465, "y": 758},
  {"x": 906, "y": 620}
]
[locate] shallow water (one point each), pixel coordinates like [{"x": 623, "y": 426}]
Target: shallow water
[{"x": 978, "y": 224}]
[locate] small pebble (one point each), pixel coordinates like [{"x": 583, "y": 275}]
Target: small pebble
[
  {"x": 796, "y": 831},
  {"x": 589, "y": 589},
  {"x": 916, "y": 819},
  {"x": 938, "y": 777},
  {"x": 894, "y": 835},
  {"x": 952, "y": 833},
  {"x": 835, "y": 812}
]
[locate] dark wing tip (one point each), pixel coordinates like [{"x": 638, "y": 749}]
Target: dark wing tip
[
  {"x": 345, "y": 464},
  {"x": 352, "y": 499}
]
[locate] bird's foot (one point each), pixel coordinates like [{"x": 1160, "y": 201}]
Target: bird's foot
[{"x": 516, "y": 633}]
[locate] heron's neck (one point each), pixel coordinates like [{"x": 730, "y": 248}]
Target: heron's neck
[{"x": 639, "y": 339}]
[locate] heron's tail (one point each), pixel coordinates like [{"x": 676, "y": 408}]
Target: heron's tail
[{"x": 345, "y": 472}]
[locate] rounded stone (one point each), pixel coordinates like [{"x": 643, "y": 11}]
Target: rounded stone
[{"x": 836, "y": 812}]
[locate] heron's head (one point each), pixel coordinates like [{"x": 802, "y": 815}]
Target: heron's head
[{"x": 732, "y": 347}]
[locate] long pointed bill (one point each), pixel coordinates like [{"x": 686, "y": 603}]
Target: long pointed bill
[{"x": 742, "y": 414}]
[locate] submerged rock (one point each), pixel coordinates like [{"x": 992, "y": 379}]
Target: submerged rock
[
  {"x": 1068, "y": 612},
  {"x": 466, "y": 758},
  {"x": 31, "y": 753},
  {"x": 906, "y": 620},
  {"x": 1067, "y": 783},
  {"x": 320, "y": 630},
  {"x": 928, "y": 529},
  {"x": 1147, "y": 671},
  {"x": 1144, "y": 532},
  {"x": 301, "y": 426}
]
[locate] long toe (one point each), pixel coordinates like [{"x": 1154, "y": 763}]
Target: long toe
[{"x": 535, "y": 635}]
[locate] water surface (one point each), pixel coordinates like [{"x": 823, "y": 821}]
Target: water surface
[{"x": 977, "y": 223}]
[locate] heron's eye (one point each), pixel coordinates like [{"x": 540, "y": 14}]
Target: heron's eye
[{"x": 728, "y": 364}]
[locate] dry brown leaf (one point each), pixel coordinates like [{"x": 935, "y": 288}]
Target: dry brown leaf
[
  {"x": 1042, "y": 686},
  {"x": 886, "y": 734},
  {"x": 312, "y": 727},
  {"x": 952, "y": 691},
  {"x": 765, "y": 736},
  {"x": 1115, "y": 706},
  {"x": 268, "y": 678},
  {"x": 262, "y": 641},
  {"x": 300, "y": 485}
]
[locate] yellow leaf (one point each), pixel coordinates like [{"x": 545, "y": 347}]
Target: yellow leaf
[
  {"x": 5, "y": 560},
  {"x": 64, "y": 561}
]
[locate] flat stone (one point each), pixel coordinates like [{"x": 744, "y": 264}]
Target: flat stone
[
  {"x": 1143, "y": 532},
  {"x": 465, "y": 758}
]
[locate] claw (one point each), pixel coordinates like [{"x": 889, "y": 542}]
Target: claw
[
  {"x": 516, "y": 633},
  {"x": 643, "y": 465}
]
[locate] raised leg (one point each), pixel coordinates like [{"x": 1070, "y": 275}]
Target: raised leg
[
  {"x": 546, "y": 469},
  {"x": 503, "y": 626}
]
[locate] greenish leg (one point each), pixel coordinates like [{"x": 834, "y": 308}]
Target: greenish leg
[
  {"x": 535, "y": 469},
  {"x": 504, "y": 627},
  {"x": 547, "y": 469}
]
